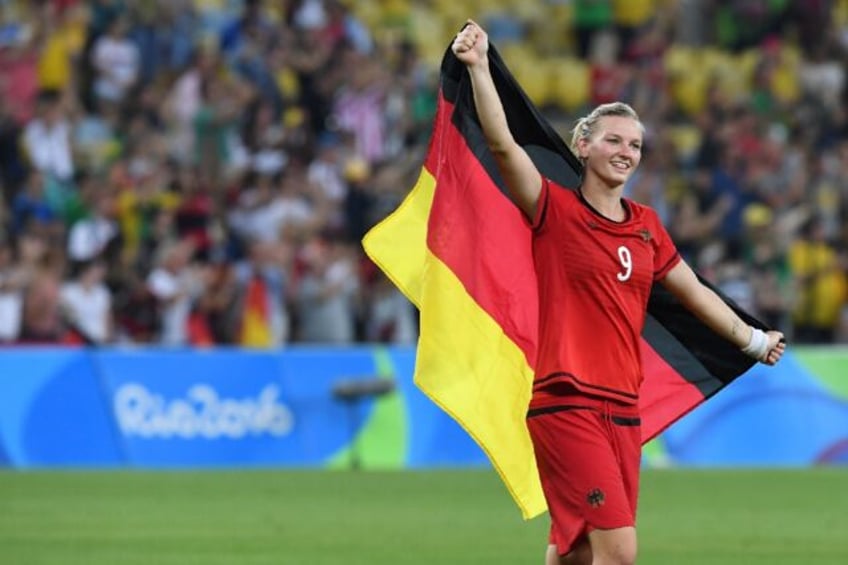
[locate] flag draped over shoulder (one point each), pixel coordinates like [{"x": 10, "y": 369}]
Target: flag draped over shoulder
[{"x": 461, "y": 251}]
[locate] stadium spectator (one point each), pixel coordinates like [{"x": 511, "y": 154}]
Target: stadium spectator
[
  {"x": 62, "y": 42},
  {"x": 194, "y": 217},
  {"x": 326, "y": 170},
  {"x": 590, "y": 18},
  {"x": 182, "y": 103},
  {"x": 18, "y": 69},
  {"x": 175, "y": 284},
  {"x": 14, "y": 280},
  {"x": 42, "y": 321},
  {"x": 86, "y": 303},
  {"x": 30, "y": 206},
  {"x": 767, "y": 266},
  {"x": 262, "y": 283},
  {"x": 358, "y": 106},
  {"x": 47, "y": 138},
  {"x": 819, "y": 270},
  {"x": 94, "y": 235},
  {"x": 326, "y": 293},
  {"x": 211, "y": 319},
  {"x": 13, "y": 169},
  {"x": 215, "y": 122},
  {"x": 389, "y": 317},
  {"x": 116, "y": 61}
]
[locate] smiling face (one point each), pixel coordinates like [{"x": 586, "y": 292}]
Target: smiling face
[{"x": 613, "y": 151}]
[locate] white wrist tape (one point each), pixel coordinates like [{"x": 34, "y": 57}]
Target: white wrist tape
[{"x": 758, "y": 345}]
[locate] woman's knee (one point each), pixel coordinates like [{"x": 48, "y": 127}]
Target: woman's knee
[
  {"x": 580, "y": 555},
  {"x": 614, "y": 547}
]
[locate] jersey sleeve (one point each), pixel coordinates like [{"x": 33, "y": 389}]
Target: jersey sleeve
[{"x": 666, "y": 256}]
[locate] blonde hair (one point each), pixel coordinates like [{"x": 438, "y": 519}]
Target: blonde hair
[{"x": 586, "y": 126}]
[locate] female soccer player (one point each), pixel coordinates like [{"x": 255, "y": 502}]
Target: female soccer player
[{"x": 596, "y": 256}]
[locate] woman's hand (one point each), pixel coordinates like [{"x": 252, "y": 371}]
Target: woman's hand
[
  {"x": 776, "y": 347},
  {"x": 471, "y": 45}
]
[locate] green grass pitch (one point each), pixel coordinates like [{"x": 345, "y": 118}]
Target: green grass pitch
[{"x": 726, "y": 517}]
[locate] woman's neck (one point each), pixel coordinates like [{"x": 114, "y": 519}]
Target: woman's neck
[{"x": 604, "y": 199}]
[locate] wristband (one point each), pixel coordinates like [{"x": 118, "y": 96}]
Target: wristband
[{"x": 757, "y": 347}]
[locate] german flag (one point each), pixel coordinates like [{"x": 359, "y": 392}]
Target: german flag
[
  {"x": 460, "y": 250},
  {"x": 255, "y": 330}
]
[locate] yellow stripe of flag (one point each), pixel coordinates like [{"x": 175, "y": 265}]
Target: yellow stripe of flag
[{"x": 465, "y": 363}]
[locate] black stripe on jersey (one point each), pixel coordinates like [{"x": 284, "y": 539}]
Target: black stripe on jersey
[
  {"x": 617, "y": 420},
  {"x": 533, "y": 412},
  {"x": 628, "y": 213},
  {"x": 667, "y": 263}
]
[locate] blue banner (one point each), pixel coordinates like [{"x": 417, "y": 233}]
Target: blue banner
[
  {"x": 229, "y": 407},
  {"x": 53, "y": 410}
]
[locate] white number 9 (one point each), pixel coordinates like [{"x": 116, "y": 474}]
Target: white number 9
[{"x": 626, "y": 262}]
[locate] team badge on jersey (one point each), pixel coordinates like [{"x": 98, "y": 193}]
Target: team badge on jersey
[{"x": 595, "y": 498}]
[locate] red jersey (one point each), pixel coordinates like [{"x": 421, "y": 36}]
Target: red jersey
[{"x": 594, "y": 277}]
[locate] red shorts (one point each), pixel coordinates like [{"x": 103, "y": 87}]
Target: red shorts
[{"x": 588, "y": 452}]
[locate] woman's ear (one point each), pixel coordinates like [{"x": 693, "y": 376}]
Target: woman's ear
[{"x": 582, "y": 148}]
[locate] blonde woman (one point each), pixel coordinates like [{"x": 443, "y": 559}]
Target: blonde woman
[{"x": 596, "y": 256}]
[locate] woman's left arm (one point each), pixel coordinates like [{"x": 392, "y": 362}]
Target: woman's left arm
[{"x": 681, "y": 281}]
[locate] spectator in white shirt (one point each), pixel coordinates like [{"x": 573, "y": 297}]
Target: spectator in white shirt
[
  {"x": 47, "y": 138},
  {"x": 90, "y": 237},
  {"x": 13, "y": 279},
  {"x": 87, "y": 302},
  {"x": 175, "y": 285},
  {"x": 115, "y": 59},
  {"x": 325, "y": 170},
  {"x": 274, "y": 208}
]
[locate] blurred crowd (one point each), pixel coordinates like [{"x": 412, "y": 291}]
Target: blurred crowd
[{"x": 199, "y": 172}]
